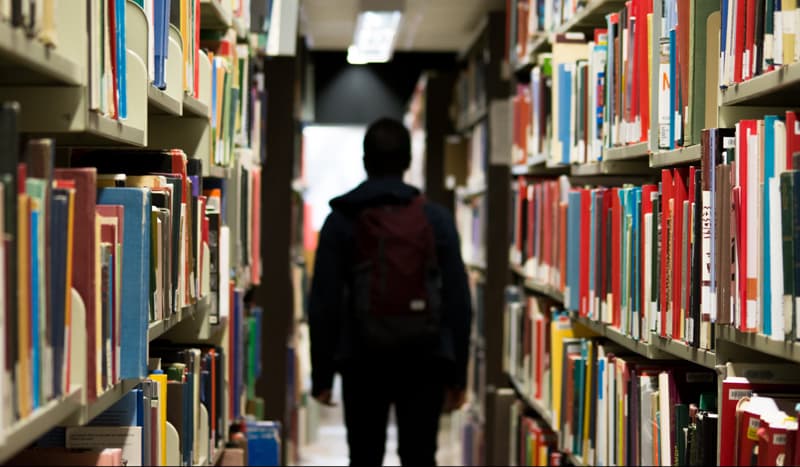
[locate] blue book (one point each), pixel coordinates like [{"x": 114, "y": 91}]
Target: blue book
[
  {"x": 135, "y": 276},
  {"x": 723, "y": 36},
  {"x": 573, "y": 251},
  {"x": 258, "y": 313},
  {"x": 122, "y": 62},
  {"x": 125, "y": 412},
  {"x": 263, "y": 442},
  {"x": 58, "y": 276},
  {"x": 565, "y": 109},
  {"x": 672, "y": 89},
  {"x": 161, "y": 41},
  {"x": 36, "y": 350},
  {"x": 769, "y": 172}
]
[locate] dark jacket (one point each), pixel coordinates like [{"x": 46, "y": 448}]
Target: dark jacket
[{"x": 332, "y": 339}]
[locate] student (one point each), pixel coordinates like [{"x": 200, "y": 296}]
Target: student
[{"x": 389, "y": 307}]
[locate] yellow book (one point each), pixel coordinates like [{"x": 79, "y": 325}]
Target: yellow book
[
  {"x": 161, "y": 380},
  {"x": 789, "y": 26},
  {"x": 24, "y": 402},
  {"x": 560, "y": 328}
]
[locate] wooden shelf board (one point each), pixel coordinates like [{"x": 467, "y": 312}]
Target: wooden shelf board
[
  {"x": 780, "y": 88},
  {"x": 214, "y": 16},
  {"x": 680, "y": 156},
  {"x": 629, "y": 152},
  {"x": 617, "y": 167},
  {"x": 532, "y": 403},
  {"x": 642, "y": 348},
  {"x": 159, "y": 328},
  {"x": 537, "y": 287},
  {"x": 22, "y": 433},
  {"x": 27, "y": 61},
  {"x": 787, "y": 350},
  {"x": 194, "y": 107},
  {"x": 704, "y": 358},
  {"x": 159, "y": 102}
]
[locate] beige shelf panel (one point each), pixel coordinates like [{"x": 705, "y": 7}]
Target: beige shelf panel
[
  {"x": 777, "y": 88},
  {"x": 680, "y": 156},
  {"x": 704, "y": 358},
  {"x": 631, "y": 151},
  {"x": 624, "y": 167},
  {"x": 782, "y": 349},
  {"x": 45, "y": 418}
]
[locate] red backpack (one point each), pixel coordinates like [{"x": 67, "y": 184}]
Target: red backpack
[{"x": 397, "y": 282}]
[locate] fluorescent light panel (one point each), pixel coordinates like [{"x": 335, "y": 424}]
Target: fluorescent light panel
[{"x": 374, "y": 38}]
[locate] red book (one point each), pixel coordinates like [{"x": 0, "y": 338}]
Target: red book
[
  {"x": 687, "y": 259},
  {"x": 520, "y": 215},
  {"x": 562, "y": 253},
  {"x": 739, "y": 37},
  {"x": 666, "y": 222},
  {"x": 792, "y": 136},
  {"x": 616, "y": 258},
  {"x": 679, "y": 195},
  {"x": 549, "y": 226},
  {"x": 603, "y": 251},
  {"x": 586, "y": 206},
  {"x": 530, "y": 196},
  {"x": 683, "y": 33},
  {"x": 781, "y": 381},
  {"x": 84, "y": 249},
  {"x": 112, "y": 37},
  {"x": 745, "y": 128},
  {"x": 776, "y": 440},
  {"x": 749, "y": 39},
  {"x": 643, "y": 80}
]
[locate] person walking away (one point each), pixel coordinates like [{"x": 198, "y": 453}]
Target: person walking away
[{"x": 389, "y": 308}]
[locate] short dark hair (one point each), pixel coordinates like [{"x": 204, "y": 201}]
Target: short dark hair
[{"x": 387, "y": 148}]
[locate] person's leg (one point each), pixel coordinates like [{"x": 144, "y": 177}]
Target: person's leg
[
  {"x": 366, "y": 412},
  {"x": 418, "y": 407}
]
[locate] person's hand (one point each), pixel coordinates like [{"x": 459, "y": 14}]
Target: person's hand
[
  {"x": 454, "y": 398},
  {"x": 325, "y": 398}
]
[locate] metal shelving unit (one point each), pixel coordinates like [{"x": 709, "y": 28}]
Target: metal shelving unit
[
  {"x": 24, "y": 59},
  {"x": 161, "y": 102},
  {"x": 704, "y": 358}
]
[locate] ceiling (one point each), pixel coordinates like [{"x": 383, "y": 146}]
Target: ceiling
[{"x": 427, "y": 25}]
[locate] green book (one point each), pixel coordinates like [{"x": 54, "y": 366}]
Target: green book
[{"x": 787, "y": 234}]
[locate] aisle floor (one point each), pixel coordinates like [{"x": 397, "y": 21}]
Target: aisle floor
[{"x": 330, "y": 445}]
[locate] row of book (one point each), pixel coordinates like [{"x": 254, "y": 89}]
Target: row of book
[
  {"x": 137, "y": 235},
  {"x": 530, "y": 18},
  {"x": 539, "y": 211},
  {"x": 756, "y": 37},
  {"x": 469, "y": 93},
  {"x": 534, "y": 443},
  {"x": 609, "y": 407},
  {"x": 108, "y": 58},
  {"x": 652, "y": 258},
  {"x": 592, "y": 94},
  {"x": 181, "y": 413}
]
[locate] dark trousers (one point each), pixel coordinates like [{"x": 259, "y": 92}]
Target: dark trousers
[{"x": 416, "y": 390}]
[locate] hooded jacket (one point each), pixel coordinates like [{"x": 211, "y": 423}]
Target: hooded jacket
[{"x": 333, "y": 342}]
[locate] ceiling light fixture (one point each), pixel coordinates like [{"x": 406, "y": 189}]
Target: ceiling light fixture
[{"x": 374, "y": 37}]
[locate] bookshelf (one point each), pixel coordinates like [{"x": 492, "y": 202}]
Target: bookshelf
[
  {"x": 53, "y": 86},
  {"x": 633, "y": 158}
]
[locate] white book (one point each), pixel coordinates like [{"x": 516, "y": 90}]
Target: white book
[
  {"x": 224, "y": 270},
  {"x": 647, "y": 386},
  {"x": 664, "y": 420},
  {"x": 776, "y": 263}
]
